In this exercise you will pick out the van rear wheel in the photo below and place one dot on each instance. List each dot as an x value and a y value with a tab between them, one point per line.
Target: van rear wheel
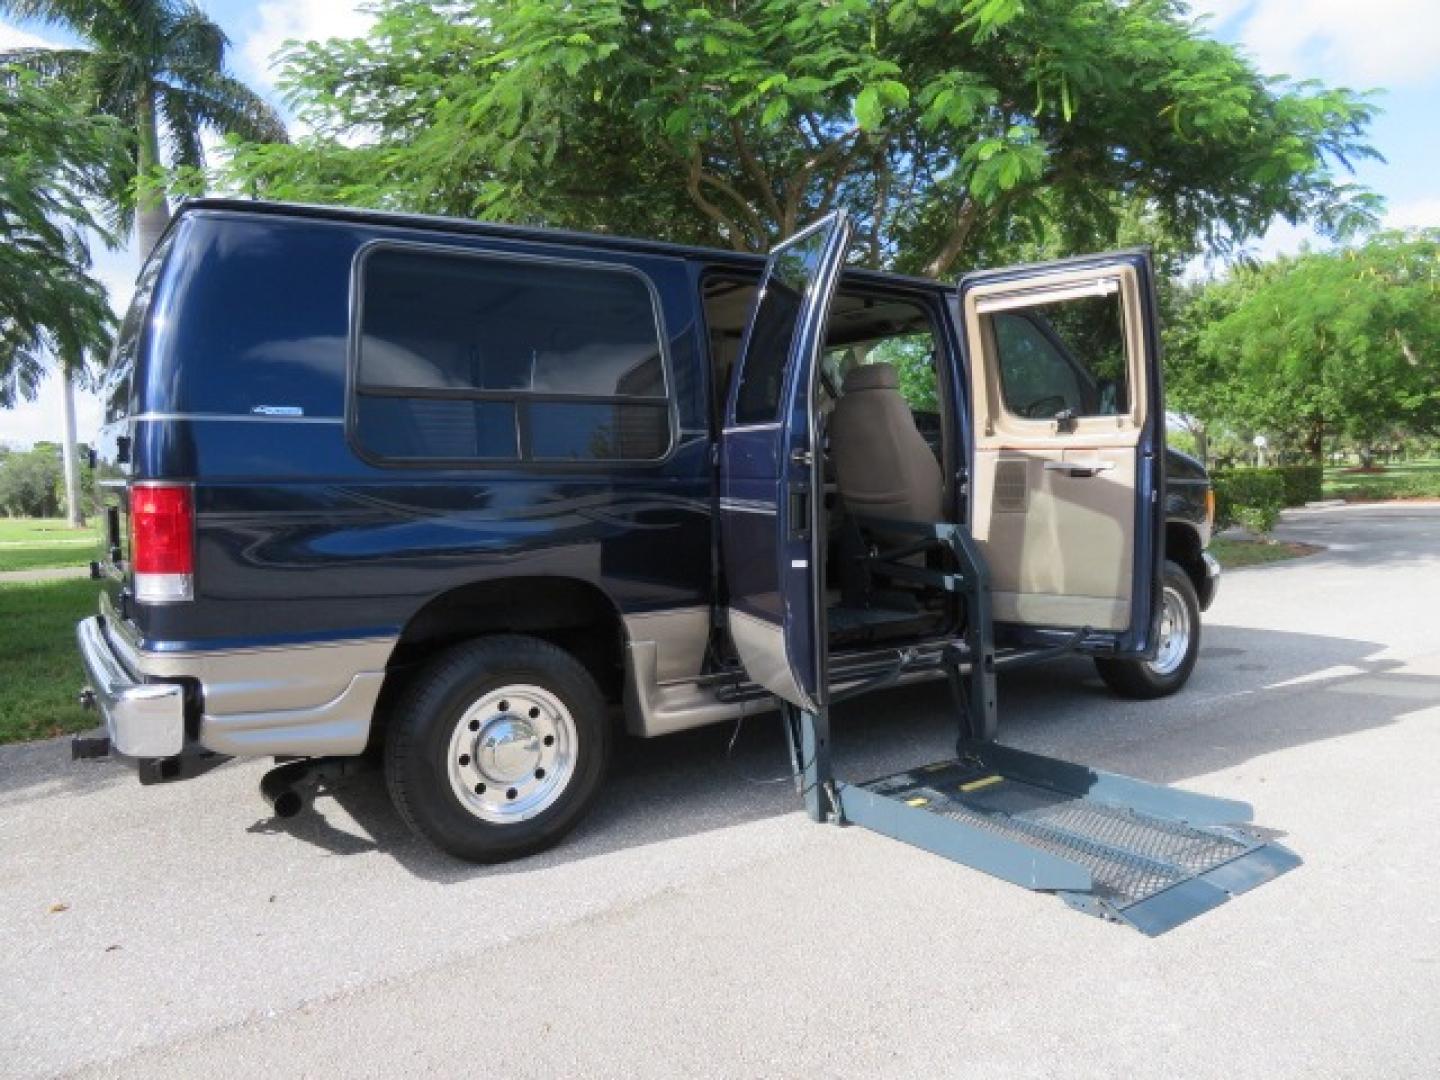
497	748
1176	651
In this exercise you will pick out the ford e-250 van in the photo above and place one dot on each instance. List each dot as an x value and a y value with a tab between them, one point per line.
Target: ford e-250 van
465	495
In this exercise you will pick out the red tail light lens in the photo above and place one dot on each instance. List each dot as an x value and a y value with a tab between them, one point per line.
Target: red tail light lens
162	542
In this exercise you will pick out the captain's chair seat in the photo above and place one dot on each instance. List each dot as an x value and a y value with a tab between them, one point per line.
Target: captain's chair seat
883	465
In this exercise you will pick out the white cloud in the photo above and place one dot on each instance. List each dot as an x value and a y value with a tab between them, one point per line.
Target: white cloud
12	37
1369	43
1415	214
280	21
42	419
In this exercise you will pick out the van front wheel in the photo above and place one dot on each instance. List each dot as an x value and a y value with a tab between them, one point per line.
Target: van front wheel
497	748
1176	651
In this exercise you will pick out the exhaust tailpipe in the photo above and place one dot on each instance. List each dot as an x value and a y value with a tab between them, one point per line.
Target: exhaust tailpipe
286	786
280	787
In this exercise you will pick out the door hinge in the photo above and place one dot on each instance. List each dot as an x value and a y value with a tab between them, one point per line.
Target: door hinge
801	456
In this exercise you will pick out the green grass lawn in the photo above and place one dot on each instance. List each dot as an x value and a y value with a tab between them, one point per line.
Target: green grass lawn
39	543
1235	553
40	671
1410	480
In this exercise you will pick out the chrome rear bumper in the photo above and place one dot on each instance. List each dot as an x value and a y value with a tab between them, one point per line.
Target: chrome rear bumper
143	720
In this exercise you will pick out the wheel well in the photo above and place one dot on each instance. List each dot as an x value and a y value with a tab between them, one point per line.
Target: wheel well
572	614
1182	547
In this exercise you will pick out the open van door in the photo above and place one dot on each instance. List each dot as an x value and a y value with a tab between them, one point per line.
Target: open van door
1067	396
1063	363
771	491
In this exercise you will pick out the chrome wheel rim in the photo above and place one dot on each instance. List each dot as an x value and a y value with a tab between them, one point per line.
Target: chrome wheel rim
1175	631
512	754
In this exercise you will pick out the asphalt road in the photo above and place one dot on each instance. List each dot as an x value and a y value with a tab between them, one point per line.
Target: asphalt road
698	923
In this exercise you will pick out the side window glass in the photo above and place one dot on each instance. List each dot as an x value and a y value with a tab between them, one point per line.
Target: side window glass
868	330
116	386
913	358
474	356
762	375
1065	358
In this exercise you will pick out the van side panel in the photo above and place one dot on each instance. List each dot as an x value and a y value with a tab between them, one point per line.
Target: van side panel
242	390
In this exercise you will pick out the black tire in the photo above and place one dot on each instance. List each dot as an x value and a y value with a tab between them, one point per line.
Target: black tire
1145	680
427	722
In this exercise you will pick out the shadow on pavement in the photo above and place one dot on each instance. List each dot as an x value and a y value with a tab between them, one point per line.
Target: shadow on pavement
1243	702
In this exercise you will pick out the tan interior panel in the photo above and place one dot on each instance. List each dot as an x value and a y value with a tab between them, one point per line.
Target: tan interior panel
1054	499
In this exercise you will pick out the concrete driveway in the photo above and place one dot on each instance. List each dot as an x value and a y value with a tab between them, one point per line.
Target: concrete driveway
698	924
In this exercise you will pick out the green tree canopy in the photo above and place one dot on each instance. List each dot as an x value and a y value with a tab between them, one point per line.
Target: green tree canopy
53	158
949	128
158	68
1337	343
30	482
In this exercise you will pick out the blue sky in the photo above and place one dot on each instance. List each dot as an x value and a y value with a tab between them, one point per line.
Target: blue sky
1389	45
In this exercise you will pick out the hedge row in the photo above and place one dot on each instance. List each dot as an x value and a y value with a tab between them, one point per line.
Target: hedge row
1255	497
1303	483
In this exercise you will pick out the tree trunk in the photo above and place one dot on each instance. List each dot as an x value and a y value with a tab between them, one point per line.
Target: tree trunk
1202	444
1315	441
152	213
74	511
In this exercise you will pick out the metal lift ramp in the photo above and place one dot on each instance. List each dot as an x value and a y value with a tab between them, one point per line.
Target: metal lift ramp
1109	845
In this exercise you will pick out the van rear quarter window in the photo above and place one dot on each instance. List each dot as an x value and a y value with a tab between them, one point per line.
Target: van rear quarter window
473	355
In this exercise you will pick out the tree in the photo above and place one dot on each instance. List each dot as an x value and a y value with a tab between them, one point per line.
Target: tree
53	160
158	68
953	130
1334	343
30	482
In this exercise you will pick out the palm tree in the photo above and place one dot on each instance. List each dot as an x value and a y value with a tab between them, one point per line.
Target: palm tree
157	67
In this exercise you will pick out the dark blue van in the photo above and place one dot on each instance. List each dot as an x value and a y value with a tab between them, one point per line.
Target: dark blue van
464	494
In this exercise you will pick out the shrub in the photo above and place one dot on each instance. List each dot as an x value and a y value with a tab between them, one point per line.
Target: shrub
1303	483
1249	497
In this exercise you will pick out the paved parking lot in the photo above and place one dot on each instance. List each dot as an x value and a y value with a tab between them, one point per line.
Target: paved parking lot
699	924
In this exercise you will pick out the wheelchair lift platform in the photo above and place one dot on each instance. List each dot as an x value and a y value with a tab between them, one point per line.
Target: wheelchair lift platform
1126	850
1146	855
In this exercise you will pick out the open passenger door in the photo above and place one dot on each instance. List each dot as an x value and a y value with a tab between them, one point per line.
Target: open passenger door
771	492
1109	845
1068	445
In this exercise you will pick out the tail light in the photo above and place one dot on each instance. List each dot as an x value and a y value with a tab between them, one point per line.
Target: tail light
1210	508
162	542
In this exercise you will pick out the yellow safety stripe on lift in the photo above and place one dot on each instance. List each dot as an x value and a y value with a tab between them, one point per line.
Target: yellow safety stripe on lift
983	782
918	800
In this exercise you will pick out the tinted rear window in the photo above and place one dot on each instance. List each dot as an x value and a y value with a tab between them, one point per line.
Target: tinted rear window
117	385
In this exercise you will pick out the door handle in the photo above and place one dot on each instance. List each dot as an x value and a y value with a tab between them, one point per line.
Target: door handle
1079	468
799	512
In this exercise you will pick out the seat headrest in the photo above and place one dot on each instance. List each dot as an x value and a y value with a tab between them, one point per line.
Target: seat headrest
871	377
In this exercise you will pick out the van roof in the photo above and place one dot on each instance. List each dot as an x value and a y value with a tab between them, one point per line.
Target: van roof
440	224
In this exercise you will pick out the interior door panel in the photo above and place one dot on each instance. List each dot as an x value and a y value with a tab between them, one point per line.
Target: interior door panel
1060	456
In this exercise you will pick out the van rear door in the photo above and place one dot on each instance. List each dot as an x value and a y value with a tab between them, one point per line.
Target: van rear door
114	444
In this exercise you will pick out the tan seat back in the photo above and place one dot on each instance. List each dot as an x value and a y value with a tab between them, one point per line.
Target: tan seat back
883	464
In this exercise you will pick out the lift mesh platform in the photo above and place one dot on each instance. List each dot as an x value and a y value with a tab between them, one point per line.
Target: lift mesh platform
1110	845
